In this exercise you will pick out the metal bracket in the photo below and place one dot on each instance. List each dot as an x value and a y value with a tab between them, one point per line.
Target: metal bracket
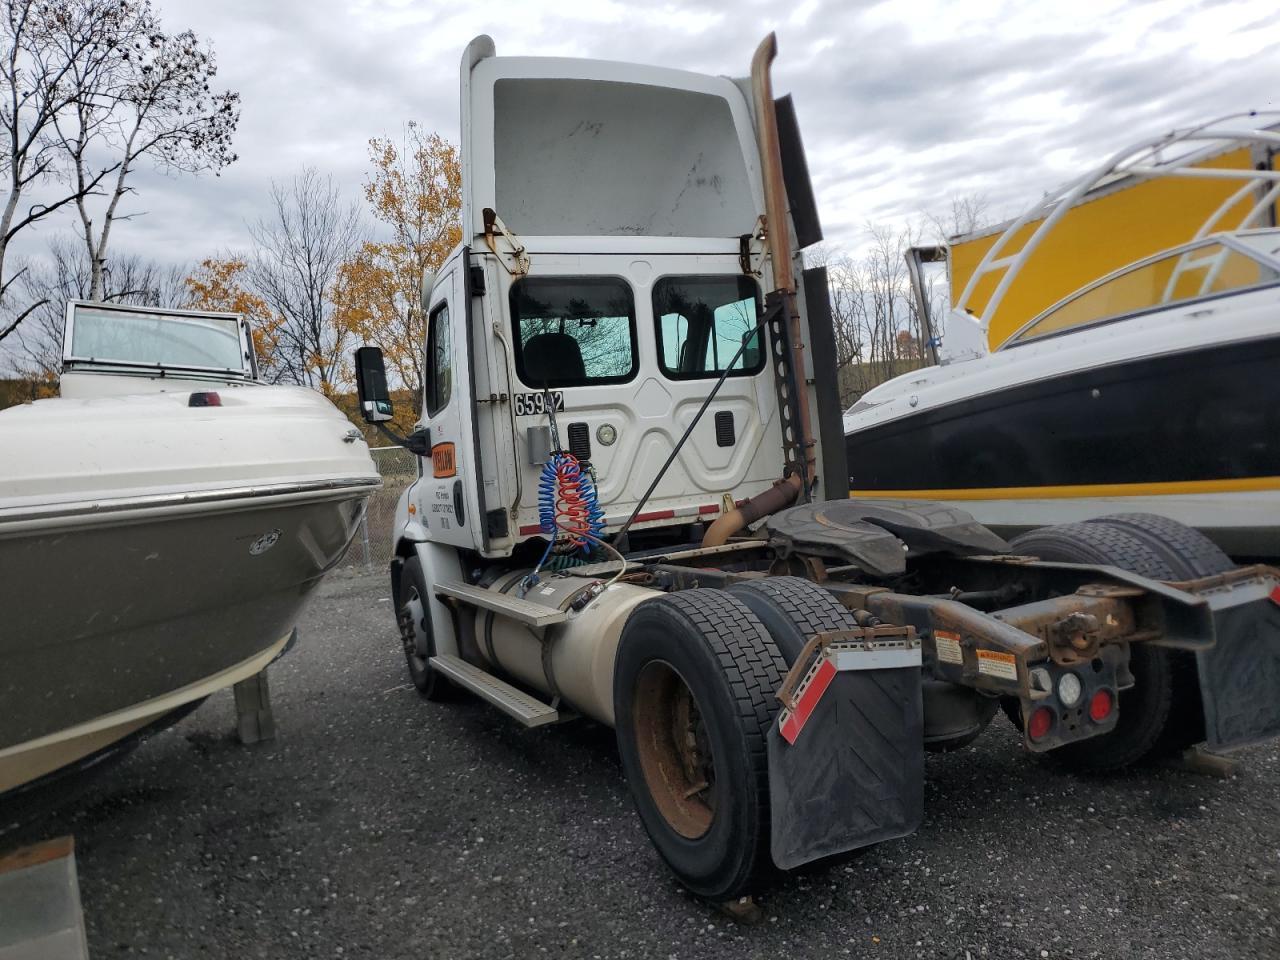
862	648
493	225
745	252
786	382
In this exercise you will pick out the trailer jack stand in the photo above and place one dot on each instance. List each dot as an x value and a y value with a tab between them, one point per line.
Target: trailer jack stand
254	720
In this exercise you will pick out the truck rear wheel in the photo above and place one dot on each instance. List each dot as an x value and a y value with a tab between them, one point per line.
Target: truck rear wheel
1190	555
1160	549
793	609
693	689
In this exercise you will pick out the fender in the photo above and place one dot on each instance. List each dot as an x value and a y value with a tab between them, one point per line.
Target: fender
439	562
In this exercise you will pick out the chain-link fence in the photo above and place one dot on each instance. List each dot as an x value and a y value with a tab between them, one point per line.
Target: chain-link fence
371	547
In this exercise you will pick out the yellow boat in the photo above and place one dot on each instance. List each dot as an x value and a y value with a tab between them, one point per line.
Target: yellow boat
1116	348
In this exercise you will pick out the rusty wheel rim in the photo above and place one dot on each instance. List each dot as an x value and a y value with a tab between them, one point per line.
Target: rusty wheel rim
675	750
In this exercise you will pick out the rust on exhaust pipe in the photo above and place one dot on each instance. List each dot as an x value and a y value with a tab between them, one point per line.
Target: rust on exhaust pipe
779	238
782	494
798	484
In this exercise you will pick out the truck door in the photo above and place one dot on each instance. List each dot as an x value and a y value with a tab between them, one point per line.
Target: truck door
444	500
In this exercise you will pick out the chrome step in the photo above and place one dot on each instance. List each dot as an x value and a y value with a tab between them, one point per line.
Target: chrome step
530	711
513	607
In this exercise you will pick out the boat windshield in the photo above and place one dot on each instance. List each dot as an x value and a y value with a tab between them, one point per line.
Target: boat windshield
111	335
1189	273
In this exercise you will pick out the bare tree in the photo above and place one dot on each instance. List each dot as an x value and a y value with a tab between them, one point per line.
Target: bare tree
847	294
65	274
48	46
301	246
964	214
152	99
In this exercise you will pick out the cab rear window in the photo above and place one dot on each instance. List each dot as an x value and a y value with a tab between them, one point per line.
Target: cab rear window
573	331
701	324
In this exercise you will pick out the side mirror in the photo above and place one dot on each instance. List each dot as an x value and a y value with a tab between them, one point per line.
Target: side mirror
371	385
424	292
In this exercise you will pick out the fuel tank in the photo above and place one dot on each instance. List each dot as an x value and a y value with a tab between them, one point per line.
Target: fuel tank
574	659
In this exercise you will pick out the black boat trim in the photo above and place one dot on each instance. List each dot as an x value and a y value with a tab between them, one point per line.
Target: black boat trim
1211	414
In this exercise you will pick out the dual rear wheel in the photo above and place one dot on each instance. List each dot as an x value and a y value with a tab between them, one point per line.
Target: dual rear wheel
695	682
1161	713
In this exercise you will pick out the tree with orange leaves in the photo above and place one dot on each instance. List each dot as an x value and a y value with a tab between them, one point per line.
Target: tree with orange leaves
218	284
415	188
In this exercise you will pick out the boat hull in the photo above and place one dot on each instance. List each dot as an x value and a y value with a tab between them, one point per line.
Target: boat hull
116	618
1193	435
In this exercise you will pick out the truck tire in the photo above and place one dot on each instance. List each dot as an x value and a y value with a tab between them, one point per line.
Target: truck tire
1190	555
414	619
1145	707
693	690
1188	552
793	609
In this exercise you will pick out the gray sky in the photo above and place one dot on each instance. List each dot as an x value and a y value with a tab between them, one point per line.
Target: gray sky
901	104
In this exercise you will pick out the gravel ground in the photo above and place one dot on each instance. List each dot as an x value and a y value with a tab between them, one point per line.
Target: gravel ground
378	825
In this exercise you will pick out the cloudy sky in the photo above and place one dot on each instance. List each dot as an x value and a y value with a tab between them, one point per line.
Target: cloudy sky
902	105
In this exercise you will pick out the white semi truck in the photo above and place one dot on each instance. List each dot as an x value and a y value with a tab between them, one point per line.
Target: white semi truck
632	503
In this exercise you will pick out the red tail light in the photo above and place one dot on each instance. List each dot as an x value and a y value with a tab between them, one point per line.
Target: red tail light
1100	705
1040	724
206	398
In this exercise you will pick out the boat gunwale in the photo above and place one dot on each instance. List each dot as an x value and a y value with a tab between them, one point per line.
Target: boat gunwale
113	508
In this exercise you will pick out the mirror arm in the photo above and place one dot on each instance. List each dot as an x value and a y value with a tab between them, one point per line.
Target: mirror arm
417	443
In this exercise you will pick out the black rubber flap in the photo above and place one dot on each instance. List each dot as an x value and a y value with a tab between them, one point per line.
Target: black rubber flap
877	535
1240	673
855	775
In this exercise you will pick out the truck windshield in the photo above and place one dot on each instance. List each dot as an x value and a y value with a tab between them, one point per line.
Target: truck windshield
107	335
573	331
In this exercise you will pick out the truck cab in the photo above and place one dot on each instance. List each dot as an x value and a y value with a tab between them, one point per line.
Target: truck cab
608	275
633	505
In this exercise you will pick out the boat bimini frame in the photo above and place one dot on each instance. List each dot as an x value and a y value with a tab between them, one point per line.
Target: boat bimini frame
1143	160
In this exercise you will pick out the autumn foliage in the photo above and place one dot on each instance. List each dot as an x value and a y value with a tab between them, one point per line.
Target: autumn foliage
220	285
415	189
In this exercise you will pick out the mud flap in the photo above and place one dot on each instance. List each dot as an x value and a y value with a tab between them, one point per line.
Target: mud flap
1240	673
850	772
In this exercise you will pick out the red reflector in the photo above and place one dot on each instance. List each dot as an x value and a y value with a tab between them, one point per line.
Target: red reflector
1275	595
207	398
808	701
1100	705
1041	722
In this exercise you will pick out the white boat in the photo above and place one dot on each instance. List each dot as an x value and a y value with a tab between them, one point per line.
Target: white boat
1147	385
162	523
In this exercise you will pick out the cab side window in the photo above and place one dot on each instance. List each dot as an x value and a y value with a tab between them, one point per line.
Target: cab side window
439	360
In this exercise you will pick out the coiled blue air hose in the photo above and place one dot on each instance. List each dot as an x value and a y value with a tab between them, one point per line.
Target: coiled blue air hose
565	487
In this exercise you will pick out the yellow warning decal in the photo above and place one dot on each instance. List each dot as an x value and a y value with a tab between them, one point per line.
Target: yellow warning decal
998	664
